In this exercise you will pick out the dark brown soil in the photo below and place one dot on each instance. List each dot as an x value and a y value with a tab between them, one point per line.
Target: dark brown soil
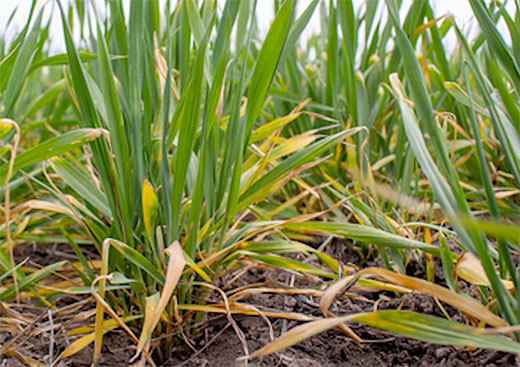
333	349
219	346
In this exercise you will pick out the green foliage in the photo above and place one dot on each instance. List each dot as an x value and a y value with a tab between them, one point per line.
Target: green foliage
181	122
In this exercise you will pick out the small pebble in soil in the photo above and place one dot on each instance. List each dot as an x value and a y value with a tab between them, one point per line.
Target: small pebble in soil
442	352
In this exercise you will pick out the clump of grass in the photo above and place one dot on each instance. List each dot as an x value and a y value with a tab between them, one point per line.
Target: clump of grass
204	145
180	116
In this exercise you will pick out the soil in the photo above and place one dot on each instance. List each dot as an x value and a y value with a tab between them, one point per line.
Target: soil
218	345
333	349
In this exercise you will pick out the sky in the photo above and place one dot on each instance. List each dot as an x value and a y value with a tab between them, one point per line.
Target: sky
460	9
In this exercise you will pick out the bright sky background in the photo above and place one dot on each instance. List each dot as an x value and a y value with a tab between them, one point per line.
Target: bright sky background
460	9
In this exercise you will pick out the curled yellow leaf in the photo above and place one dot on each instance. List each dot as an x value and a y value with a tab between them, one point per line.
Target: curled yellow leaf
469	268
